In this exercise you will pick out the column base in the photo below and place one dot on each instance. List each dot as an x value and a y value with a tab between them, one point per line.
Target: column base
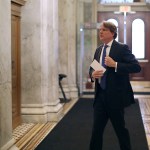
33	113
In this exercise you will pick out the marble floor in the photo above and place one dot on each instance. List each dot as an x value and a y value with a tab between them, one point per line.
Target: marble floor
144	101
28	136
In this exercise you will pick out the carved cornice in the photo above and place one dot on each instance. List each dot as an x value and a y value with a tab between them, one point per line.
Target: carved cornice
19	2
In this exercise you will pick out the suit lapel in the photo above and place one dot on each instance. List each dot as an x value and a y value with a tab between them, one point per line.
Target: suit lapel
112	50
99	53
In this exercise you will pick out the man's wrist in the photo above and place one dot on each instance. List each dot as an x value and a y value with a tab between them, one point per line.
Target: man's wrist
116	66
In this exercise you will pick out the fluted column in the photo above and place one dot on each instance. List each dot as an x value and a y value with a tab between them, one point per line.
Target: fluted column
39	57
6	140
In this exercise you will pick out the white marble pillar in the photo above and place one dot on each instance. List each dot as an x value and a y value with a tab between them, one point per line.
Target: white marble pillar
72	48
67	46
39	57
6	140
63	45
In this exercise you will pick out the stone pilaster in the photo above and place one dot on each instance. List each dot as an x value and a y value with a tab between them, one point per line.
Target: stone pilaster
6	140
72	48
40	97
67	46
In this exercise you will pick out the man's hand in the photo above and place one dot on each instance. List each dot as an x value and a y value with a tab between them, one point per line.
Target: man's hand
97	74
110	62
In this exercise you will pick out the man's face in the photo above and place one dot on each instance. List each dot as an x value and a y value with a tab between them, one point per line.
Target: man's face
105	35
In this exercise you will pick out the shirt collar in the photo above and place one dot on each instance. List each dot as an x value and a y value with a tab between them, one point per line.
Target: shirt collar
110	43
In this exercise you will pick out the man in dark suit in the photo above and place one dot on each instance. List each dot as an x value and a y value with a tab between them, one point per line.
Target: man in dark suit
113	91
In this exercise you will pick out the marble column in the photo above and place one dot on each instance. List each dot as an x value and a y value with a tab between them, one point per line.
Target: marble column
67	46
72	48
80	22
39	61
94	20
6	140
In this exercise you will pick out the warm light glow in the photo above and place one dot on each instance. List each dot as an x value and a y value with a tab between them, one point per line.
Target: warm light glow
125	8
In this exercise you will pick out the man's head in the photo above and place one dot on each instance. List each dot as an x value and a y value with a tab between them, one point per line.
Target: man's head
107	31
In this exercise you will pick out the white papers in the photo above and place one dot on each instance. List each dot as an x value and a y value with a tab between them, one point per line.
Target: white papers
97	66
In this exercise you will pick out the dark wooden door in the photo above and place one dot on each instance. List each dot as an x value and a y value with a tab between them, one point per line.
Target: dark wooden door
144	75
145	16
15	56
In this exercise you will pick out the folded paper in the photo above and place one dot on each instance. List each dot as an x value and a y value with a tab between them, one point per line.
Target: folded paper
97	66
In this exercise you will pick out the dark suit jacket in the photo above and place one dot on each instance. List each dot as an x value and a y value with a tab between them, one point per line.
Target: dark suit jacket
119	93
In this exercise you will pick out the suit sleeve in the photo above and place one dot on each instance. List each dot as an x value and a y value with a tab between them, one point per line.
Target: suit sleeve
91	69
128	63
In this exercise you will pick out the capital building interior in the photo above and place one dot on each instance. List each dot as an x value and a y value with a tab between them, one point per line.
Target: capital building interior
46	48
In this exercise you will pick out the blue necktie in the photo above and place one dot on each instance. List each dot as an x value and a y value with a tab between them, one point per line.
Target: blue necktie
103	78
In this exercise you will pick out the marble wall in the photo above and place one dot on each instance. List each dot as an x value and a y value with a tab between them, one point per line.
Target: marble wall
6	140
48	47
5	72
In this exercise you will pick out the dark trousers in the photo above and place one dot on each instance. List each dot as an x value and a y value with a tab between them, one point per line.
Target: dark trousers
102	113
